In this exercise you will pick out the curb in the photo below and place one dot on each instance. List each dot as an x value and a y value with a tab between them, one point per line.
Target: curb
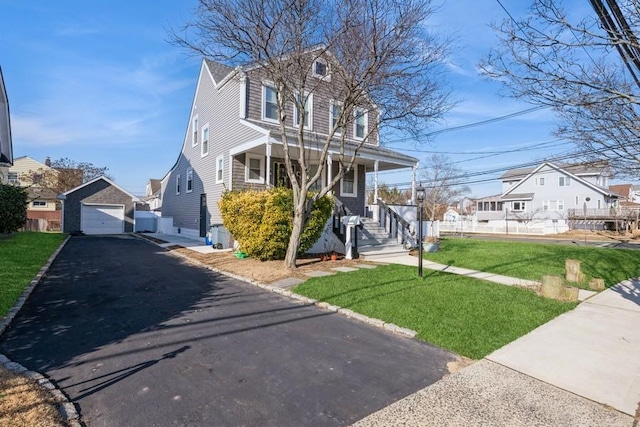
66	408
381	324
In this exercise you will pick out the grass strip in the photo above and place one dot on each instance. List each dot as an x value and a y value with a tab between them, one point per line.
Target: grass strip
529	260
467	316
22	255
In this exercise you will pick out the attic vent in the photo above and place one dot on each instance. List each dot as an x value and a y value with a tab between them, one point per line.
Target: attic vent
321	69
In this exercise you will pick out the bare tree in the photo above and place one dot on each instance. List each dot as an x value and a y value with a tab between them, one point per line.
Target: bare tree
585	69
443	183
382	59
64	174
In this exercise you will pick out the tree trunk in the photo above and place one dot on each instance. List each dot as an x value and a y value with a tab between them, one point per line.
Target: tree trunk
296	233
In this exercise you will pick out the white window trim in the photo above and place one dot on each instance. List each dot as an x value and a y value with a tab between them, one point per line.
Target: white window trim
522	205
560	205
220	162
310	111
194	125
539	181
266	85
40	203
202	153
189	179
327	76
566	180
365	114
177	184
331	105
354	168
248	158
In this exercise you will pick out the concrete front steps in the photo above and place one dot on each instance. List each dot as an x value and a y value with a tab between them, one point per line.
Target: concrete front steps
374	241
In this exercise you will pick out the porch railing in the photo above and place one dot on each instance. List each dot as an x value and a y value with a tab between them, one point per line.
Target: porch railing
606	213
392	222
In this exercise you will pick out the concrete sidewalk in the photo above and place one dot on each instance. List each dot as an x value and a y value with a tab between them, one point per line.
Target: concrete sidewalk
405	259
580	369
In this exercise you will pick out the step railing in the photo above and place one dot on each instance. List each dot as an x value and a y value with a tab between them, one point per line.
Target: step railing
393	223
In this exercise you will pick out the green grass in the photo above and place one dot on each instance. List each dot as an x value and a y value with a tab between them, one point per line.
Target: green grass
22	255
467	316
533	260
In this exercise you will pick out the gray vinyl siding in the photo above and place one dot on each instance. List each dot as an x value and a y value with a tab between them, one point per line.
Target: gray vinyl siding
355	204
219	107
323	94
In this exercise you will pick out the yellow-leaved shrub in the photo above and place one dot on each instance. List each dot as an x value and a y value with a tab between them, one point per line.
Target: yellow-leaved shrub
261	221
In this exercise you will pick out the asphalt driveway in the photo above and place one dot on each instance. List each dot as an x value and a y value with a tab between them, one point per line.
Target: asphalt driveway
138	337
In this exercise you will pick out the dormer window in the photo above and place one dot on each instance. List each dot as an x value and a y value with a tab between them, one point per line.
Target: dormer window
321	69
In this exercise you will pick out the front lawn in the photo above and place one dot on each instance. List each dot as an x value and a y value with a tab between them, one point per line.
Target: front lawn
22	255
533	260
467	316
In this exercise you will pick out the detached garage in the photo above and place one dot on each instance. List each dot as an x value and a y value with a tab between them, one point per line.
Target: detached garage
99	206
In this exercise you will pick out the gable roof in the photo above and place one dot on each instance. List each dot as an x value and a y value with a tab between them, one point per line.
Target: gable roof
6	144
218	71
107	180
155	185
622	189
574	176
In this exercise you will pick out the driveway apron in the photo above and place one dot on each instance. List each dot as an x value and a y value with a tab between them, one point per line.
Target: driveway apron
138	337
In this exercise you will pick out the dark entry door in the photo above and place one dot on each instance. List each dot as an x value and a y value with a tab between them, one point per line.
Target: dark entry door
203	215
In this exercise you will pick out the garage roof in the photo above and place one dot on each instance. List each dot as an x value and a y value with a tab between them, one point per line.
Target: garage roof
104	178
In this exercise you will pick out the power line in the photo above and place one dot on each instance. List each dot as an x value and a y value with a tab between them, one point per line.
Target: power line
470	125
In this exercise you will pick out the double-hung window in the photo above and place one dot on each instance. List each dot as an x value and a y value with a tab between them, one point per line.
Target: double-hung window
269	103
360	124
539	181
205	140
189	180
564	181
254	169
307	101
335	116
194	130
219	169
349	183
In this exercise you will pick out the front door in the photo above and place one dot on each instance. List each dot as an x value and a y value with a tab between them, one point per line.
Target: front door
203	215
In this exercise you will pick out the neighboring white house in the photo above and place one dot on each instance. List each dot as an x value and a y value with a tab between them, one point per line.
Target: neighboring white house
233	141
550	197
153	195
6	145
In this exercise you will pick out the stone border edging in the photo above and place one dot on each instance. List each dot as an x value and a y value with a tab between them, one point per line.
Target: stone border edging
66	408
301	298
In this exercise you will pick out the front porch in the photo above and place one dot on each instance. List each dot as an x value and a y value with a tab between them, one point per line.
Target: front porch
260	164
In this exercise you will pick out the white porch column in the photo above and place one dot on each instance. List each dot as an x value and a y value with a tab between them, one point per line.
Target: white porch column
414	170
376	164
267	178
376	212
330	169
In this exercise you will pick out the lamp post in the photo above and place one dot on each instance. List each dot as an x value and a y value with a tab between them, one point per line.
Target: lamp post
420	195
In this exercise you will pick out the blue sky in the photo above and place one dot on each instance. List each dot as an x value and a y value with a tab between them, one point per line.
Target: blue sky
96	81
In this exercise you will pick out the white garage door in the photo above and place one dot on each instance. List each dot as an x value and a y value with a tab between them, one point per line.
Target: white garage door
102	219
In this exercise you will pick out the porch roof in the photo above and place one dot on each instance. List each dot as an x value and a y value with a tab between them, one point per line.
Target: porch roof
367	153
518	196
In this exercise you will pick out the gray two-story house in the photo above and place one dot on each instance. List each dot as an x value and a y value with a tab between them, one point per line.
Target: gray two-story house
549	195
233	141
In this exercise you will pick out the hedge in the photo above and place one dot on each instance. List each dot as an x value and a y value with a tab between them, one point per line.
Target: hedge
261	221
13	208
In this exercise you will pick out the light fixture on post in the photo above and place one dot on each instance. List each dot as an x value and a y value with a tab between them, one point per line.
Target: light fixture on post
420	195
